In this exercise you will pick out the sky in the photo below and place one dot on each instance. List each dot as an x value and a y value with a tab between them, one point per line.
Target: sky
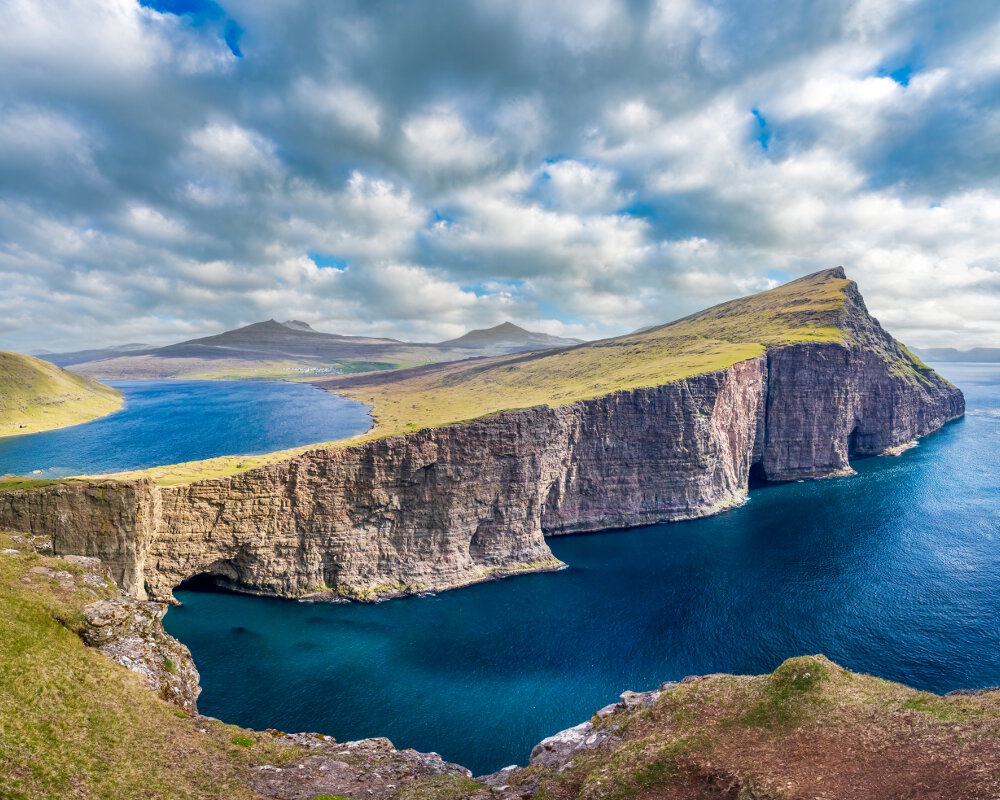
173	168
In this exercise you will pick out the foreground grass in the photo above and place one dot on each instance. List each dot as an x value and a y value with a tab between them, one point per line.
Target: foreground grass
74	724
37	396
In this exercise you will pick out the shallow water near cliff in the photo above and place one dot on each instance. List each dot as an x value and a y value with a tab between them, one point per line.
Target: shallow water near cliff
894	572
167	422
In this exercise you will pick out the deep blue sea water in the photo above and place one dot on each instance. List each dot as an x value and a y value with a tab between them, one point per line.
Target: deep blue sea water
166	422
895	571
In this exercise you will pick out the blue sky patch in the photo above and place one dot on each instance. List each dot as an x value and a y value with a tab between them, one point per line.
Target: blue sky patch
901	74
328	262
640	210
763	134
199	12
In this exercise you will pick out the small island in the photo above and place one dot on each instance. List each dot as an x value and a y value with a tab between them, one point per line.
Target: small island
38	396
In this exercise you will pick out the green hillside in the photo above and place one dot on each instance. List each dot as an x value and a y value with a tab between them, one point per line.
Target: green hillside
75	724
810	309
36	396
806	310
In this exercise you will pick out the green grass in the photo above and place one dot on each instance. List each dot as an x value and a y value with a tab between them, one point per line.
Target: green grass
811	309
807	310
790	693
24	483
75	724
36	396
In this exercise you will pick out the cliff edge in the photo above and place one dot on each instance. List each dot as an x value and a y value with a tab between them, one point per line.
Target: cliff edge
450	488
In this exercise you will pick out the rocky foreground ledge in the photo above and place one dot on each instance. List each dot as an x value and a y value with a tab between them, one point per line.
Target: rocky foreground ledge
96	700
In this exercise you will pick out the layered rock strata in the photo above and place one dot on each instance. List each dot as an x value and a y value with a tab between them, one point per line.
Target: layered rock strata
447	506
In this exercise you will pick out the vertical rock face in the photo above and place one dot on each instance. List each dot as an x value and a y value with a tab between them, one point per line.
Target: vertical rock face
827	402
446	506
110	520
457	504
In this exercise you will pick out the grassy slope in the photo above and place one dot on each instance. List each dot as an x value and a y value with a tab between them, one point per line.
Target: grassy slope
406	400
804	310
74	724
36	396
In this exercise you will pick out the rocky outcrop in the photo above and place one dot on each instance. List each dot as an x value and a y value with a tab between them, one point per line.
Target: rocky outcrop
447	506
369	768
131	633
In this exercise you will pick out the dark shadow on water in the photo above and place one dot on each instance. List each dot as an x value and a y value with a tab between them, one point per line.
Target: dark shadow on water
204	582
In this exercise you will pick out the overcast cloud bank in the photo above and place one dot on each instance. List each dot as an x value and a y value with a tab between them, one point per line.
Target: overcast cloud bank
416	169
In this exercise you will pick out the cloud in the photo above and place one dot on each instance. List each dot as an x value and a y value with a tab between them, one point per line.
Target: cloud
173	168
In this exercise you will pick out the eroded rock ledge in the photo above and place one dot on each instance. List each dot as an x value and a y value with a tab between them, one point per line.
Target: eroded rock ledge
444	507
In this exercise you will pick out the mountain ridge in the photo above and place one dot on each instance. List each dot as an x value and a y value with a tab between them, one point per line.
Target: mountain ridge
293	348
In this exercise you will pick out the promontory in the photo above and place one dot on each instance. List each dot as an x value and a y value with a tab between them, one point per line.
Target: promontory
472	463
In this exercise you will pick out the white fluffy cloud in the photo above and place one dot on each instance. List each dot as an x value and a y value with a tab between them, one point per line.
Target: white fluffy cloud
582	168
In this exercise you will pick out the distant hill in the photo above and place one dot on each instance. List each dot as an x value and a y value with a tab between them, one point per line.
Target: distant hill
292	348
511	337
80	356
36	395
989	355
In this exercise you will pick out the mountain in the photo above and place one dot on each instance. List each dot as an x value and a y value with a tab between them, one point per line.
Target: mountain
36	395
988	355
510	337
294	349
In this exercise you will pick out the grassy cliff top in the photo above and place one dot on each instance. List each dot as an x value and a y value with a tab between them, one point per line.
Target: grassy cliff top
806	310
37	396
822	307
810	309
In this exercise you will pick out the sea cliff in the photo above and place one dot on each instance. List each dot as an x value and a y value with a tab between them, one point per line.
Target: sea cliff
445	506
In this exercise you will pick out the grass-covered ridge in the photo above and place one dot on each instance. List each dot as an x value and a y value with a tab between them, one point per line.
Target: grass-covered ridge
806	310
810	309
37	396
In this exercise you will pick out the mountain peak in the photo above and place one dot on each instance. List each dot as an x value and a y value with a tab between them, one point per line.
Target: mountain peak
508	337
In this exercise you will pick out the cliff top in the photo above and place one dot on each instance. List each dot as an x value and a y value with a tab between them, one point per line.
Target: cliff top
37	396
810	309
77	724
822	307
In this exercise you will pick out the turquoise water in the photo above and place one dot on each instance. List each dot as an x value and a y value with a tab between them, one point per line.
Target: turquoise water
894	572
166	422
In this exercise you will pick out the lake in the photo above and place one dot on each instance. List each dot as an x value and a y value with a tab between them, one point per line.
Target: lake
167	422
895	572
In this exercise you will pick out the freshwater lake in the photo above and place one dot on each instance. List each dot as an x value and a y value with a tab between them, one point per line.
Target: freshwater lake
894	572
167	422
